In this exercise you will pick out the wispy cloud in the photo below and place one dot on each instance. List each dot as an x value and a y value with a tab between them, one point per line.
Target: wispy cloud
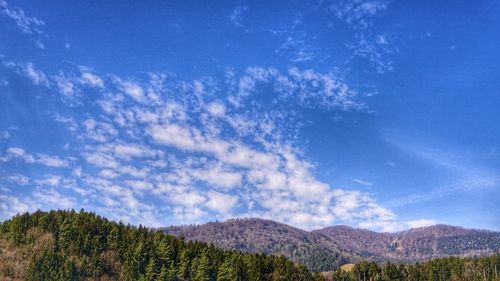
376	51
28	70
236	15
467	175
297	48
192	148
26	24
357	13
363	182
38	158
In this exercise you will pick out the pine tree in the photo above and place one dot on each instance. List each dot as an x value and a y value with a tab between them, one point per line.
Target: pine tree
151	269
163	275
184	266
172	273
226	272
69	271
204	269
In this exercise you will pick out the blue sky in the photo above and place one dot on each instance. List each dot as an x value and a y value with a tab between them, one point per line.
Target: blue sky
372	113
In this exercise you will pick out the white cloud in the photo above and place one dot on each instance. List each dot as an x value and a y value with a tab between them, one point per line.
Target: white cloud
91	79
101	160
220	202
50	180
376	51
467	174
52	161
128	151
306	88
357	13
382	225
188	199
217	109
51	198
131	89
27	24
139	185
203	155
69	122
420	223
66	87
39	44
217	176
39	158
363	182
28	70
19	179
99	131
34	74
12	205
108	174
237	15
298	48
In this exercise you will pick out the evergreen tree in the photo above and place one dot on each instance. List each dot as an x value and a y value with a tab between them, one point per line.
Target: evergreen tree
204	270
163	275
152	269
226	272
184	266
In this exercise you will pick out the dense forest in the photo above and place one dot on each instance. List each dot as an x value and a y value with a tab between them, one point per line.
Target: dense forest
69	245
442	269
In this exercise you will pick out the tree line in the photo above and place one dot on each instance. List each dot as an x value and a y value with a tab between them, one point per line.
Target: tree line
85	246
442	269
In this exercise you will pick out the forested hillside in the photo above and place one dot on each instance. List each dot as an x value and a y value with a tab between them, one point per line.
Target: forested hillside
254	235
328	248
415	244
66	245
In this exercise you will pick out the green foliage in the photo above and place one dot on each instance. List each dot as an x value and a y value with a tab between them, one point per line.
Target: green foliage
89	247
443	269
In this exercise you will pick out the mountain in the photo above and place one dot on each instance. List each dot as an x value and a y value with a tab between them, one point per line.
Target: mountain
325	249
415	244
316	251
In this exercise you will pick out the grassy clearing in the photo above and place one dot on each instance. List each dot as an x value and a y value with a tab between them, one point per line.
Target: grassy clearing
347	267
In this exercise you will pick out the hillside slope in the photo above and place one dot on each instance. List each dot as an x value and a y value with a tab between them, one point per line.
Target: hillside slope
325	249
254	235
415	244
64	245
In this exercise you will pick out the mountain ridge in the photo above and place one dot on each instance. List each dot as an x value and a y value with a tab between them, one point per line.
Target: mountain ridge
327	248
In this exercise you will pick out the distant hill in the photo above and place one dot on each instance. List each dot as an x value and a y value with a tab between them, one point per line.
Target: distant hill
416	244
325	249
316	251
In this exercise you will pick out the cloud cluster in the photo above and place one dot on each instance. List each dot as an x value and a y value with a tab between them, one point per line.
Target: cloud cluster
26	24
158	150
163	151
357	13
38	158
